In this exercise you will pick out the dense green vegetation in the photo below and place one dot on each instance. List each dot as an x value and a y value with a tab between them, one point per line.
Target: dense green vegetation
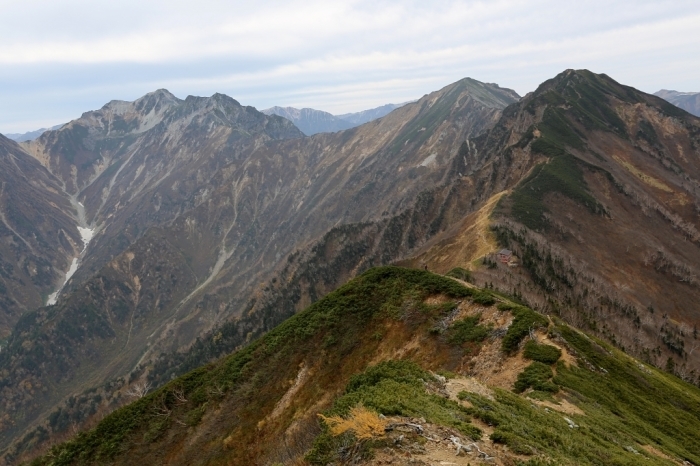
561	174
546	354
536	376
635	400
525	320
336	320
626	405
468	330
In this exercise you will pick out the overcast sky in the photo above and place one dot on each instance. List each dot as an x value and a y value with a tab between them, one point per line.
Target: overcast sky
59	58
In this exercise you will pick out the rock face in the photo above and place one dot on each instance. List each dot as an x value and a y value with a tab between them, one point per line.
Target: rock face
606	223
688	101
310	121
38	234
197	204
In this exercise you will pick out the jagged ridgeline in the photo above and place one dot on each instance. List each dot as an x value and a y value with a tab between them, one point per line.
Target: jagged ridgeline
406	365
215	222
209	214
597	188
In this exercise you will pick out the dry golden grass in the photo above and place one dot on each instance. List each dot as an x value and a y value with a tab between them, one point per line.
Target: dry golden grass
646	178
365	424
462	245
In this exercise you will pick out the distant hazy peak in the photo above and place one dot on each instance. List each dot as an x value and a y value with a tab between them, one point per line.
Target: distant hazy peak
365	116
663	93
688	101
158	100
31	135
296	113
490	94
309	120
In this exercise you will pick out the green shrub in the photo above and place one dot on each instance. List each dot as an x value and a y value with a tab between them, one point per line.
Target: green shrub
514	443
538	376
484	298
401	371
546	354
193	417
468	330
524	320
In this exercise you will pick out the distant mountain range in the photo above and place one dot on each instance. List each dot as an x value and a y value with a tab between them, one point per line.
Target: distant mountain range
688	101
311	121
31	135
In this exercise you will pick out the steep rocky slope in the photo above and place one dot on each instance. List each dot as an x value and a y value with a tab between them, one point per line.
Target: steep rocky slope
517	388
688	101
606	224
592	184
38	234
197	204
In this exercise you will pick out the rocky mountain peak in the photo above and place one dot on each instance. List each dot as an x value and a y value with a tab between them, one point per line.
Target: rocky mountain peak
157	101
221	221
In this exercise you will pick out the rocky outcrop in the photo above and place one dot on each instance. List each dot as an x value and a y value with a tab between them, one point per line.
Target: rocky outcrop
38	234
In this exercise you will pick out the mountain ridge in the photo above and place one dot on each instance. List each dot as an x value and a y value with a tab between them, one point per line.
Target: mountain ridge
223	237
552	177
393	329
600	165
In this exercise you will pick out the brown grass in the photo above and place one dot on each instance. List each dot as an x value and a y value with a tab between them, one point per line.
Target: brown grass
459	247
362	422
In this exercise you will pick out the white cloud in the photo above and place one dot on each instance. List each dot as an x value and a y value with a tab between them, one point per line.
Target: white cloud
339	55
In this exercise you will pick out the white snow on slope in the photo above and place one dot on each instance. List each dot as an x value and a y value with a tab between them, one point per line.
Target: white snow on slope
86	235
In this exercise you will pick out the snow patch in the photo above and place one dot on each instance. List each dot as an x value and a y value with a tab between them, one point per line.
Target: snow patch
429	161
53	297
86	234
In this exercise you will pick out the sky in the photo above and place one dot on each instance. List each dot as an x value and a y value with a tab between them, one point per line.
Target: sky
60	58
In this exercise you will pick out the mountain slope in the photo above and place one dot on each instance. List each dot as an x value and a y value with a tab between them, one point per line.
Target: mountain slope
368	349
310	121
38	234
606	224
688	101
592	184
222	199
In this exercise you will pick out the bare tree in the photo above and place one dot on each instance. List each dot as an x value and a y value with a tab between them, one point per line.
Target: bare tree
138	390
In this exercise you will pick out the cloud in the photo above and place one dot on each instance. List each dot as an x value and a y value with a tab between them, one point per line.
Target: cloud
342	56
